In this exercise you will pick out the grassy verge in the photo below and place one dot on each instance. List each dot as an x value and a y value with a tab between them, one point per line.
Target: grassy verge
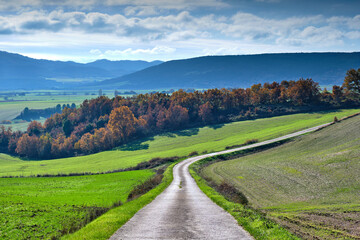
106	225
180	143
251	220
310	185
45	208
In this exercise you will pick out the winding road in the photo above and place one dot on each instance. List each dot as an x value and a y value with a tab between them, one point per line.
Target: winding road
183	211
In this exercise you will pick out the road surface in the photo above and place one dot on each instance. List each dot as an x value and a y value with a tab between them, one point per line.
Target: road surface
183	211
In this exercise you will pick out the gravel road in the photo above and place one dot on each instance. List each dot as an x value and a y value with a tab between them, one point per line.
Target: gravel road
183	211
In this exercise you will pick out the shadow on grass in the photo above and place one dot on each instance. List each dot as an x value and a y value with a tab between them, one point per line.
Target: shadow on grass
136	145
186	133
217	126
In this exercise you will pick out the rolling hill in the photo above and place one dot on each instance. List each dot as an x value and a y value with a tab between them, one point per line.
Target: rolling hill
20	72
239	71
310	185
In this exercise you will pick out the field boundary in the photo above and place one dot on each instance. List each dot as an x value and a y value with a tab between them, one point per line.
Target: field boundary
139	166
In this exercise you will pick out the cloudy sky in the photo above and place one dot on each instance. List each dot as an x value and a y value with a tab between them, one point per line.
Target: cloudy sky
86	30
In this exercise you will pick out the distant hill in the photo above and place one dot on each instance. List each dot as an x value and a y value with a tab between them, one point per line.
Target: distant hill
239	71
20	72
124	67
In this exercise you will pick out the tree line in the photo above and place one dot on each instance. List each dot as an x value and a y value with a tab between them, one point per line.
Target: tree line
103	123
30	114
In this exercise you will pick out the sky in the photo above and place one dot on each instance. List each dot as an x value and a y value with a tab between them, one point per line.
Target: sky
87	30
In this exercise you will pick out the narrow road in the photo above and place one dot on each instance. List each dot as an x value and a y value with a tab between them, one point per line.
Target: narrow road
183	211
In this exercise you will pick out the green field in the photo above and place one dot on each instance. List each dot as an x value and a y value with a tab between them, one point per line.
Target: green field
311	184
10	110
38	208
181	143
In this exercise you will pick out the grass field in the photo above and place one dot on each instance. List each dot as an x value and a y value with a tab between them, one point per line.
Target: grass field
181	143
106	225
42	208
251	220
311	184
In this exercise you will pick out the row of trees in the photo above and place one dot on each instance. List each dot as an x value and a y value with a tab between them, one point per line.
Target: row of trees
102	123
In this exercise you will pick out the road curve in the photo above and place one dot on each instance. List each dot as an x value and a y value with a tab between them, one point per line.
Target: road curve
183	211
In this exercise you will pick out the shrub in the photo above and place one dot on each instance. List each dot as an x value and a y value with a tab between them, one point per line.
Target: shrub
194	153
145	187
231	193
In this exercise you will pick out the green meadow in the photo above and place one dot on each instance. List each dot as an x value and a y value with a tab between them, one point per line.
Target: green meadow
311	185
47	208
180	143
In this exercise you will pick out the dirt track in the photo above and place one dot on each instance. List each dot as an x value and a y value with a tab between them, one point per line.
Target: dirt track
183	211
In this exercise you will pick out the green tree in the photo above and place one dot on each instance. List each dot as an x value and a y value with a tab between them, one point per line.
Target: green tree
67	127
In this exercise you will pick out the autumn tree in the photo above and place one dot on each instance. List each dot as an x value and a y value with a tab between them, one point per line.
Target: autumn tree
28	146
205	113
86	143
352	81
122	123
337	93
177	117
304	91
34	128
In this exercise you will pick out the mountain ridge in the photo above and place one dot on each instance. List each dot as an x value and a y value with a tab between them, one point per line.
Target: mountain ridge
22	72
240	70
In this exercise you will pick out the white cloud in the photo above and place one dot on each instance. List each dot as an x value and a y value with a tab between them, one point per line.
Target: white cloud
140	33
221	51
15	5
153	51
353	35
141	11
95	51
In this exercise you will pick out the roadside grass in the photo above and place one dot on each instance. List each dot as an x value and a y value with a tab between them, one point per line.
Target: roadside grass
47	208
180	143
310	185
106	225
251	220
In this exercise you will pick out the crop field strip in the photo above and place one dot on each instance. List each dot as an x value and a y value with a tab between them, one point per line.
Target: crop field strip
310	185
180	143
38	208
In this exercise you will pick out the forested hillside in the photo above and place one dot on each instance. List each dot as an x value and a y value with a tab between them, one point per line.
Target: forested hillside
239	71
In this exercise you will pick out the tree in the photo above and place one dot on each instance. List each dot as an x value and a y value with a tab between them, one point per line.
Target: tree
337	93
67	127
35	128
205	113
352	81
5	136
304	91
28	146
122	123
45	146
177	117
